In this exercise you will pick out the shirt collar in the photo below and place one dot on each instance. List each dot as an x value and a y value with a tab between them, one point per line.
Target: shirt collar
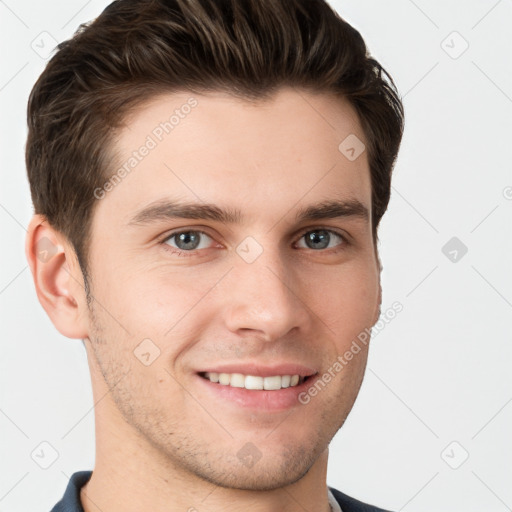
335	506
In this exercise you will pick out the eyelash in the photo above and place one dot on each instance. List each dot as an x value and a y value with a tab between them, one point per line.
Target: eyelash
344	241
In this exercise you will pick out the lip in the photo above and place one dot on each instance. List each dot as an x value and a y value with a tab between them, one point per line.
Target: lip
259	370
257	400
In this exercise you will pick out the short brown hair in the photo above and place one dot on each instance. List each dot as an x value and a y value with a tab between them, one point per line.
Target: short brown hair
138	48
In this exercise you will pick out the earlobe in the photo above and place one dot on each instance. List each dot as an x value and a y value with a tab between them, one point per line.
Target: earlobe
57	278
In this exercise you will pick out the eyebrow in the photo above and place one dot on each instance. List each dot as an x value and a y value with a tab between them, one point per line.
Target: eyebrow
167	210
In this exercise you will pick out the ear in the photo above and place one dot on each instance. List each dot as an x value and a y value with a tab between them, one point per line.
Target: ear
57	278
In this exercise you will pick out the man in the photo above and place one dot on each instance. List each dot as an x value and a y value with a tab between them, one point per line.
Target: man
208	178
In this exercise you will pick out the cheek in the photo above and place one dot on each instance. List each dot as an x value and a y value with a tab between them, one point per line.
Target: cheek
152	301
346	301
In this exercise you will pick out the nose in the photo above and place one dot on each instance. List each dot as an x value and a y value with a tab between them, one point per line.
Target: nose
264	299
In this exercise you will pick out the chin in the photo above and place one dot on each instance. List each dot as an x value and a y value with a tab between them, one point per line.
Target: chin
267	473
265	479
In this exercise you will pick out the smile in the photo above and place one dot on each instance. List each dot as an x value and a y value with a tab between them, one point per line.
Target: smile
254	382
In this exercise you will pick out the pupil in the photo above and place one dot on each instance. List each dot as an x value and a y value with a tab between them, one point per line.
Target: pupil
188	240
318	237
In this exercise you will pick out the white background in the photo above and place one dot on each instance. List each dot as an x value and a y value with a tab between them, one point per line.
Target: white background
438	373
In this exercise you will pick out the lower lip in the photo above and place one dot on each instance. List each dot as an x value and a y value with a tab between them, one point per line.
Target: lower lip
277	400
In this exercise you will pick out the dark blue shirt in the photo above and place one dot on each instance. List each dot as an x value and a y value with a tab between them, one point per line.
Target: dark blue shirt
70	502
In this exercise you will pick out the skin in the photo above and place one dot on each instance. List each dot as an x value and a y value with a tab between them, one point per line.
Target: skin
162	444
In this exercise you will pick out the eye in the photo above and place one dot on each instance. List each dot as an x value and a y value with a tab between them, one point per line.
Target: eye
322	238
187	241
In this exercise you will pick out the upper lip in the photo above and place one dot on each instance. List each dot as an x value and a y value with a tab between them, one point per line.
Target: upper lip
261	370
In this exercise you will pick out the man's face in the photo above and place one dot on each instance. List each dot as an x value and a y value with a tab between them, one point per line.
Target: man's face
244	295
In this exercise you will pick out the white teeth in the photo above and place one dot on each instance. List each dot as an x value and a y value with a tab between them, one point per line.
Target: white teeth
224	379
237	380
252	382
285	381
271	383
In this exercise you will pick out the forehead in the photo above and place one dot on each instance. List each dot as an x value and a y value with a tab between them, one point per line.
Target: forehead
258	157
